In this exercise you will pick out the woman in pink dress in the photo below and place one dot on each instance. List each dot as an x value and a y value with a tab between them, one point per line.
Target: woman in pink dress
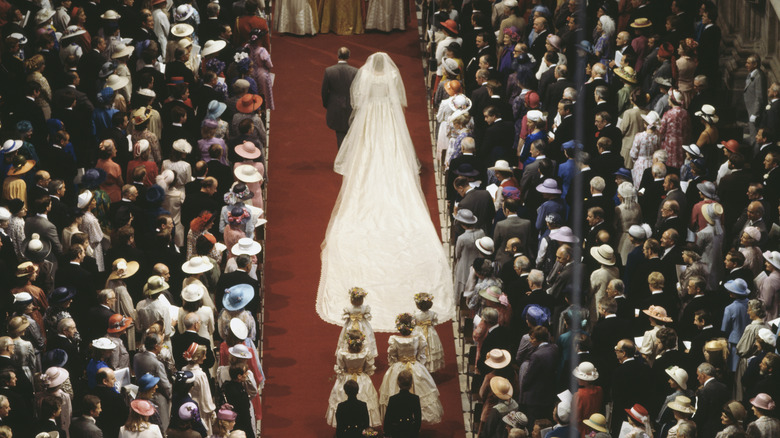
237	220
261	60
113	182
675	130
645	143
252	156
686	69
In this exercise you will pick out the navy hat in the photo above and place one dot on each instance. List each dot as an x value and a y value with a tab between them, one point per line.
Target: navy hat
61	294
155	194
466	169
571	144
625	173
93	178
183	377
147	382
54	358
700	163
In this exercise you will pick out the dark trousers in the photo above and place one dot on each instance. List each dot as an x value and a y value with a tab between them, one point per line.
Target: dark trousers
340	138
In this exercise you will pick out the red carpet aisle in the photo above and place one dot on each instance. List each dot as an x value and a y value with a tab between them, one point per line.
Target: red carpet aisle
299	346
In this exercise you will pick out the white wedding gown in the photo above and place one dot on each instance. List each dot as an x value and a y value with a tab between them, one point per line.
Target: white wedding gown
380	236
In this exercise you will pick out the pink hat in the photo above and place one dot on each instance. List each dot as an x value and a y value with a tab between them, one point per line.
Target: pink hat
763	401
142	407
226	412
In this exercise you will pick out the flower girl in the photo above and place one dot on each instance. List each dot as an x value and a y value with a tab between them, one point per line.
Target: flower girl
426	322
358	317
357	363
406	350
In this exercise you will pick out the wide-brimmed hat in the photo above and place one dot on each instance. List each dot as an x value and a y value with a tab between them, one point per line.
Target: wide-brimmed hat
120	50
182	30
141	115
657	312
491	293
516	419
604	254
103	344
143	407
154	285
773	257
638	413
485	245
213	46
763	401
183	12
72	31
249	103
239	328
708	189
737	286
767	336
107	69
679	375
238	296
451	26
707	113
692	149
11	145
121	268
466	169
23	298
37	249
55	376
563	234
110	15
18	324
450	66
248	150
215	109
711	212
54	358
116	82
466	216
497	358
682	404
24	269
651	118
21	165
147	382
596	422
193	292
240	351
197	265
641	23
501	166
61	294
623	173
626	73
586	371
247	173
732	145
118	323
246	246
549	186
501	387
43	16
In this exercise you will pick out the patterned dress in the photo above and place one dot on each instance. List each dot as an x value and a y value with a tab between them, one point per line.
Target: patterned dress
91	227
645	143
343	17
261	59
675	131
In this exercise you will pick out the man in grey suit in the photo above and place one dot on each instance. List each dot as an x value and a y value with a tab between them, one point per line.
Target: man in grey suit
84	426
38	223
335	94
147	362
755	94
512	226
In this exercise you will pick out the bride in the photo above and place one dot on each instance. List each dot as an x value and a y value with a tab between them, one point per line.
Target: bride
380	236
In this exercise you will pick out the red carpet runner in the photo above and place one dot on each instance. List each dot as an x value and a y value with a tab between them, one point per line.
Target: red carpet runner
299	346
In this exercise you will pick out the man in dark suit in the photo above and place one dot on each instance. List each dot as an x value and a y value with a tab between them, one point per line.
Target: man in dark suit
335	94
72	275
201	200
548	78
709	47
482	42
706	331
25	108
403	417
21	418
149	68
670	244
99	315
512	227
84	426
207	93
607	160
539	46
699	298
478	201
38	223
597	73
351	414
535	294
771	179
606	334
563	132
535	387
554	92
239	276
670	219
480	99
469	160
631	383
111	402
89	67
181	342
210	27
710	398
497	141
65	340
732	189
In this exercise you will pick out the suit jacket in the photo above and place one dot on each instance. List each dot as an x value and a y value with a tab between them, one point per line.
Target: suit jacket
496	143
755	94
545	81
696	352
75	364
403	417
480	98
605	165
508	228
97	319
481	204
335	95
501	338
114	406
554	93
351	418
83	427
563	133
606	334
89	67
231	279
540	376
180	342
538	48
47	232
710	399
731	191
631	384
146	362
671	223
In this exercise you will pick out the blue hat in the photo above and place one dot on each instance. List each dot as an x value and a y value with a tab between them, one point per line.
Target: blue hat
93	178
585	45
183	377
625	173
737	287
147	382
700	163
54	358
155	194
24	126
571	144
538	315
61	294
554	218
215	109
466	169
105	95
238	296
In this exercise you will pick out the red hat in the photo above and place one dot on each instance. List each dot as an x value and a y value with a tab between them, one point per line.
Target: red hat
453	87
731	145
450	25
190	351
638	413
666	50
532	99
118	323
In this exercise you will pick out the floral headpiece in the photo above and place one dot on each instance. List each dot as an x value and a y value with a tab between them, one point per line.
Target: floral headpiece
215	65
240	56
357	292
370	431
423	297
405	321
358	341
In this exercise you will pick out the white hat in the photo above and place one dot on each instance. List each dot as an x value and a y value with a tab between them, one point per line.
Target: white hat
55	376
143	145
246	246
247	173
193	292
501	166
564	409
651	118
679	375
84	199
23	297
182	30
103	344
586	371
692	149
43	16
110	15
167	176
240	350
563	234
22	39
510	3
603	254
485	245
535	115
450	66
213	46
5	214
183	12
11	145
708	113
146	92
549	186
116	82
767	336
773	257
239	328
640	231
182	146
120	50
197	265
184	42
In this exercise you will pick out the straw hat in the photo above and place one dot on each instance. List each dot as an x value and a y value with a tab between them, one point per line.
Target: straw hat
116	82
501	387
657	312
120	50
55	376
24	269
246	246
596	422
154	285
197	265
183	12
586	371
641	23
638	413
249	103
239	328
497	358
110	15
711	212
103	344
679	375
213	46
485	245
248	150
627	74
682	404
141	115
118	323
501	166
492	293
465	216
43	16
17	325
603	254
142	407
121	268
247	173
20	166
182	30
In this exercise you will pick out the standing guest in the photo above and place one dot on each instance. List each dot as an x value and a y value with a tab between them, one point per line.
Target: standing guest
101	351
188	417
111	401
769	288
226	420
153	374
404	414
352	414
113	182
138	425
236	394
540	375
195	355
682	409
675	129
710	398
732	417
735	316
85	426
747	346
710	242
117	328
765	426
645	143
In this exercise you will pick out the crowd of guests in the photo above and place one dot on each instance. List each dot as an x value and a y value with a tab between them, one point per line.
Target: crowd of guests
131	217
676	330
